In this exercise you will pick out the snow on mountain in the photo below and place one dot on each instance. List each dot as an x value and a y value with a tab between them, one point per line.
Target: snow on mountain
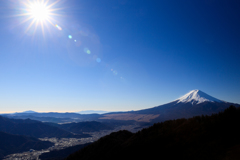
197	97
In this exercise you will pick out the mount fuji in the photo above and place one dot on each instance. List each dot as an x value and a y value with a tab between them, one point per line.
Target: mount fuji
197	97
194	103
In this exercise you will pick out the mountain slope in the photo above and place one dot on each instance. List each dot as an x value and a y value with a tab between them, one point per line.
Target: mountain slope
192	104
198	138
15	143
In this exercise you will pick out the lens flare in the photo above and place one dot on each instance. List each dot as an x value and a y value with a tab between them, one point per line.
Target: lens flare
86	50
98	60
58	27
115	73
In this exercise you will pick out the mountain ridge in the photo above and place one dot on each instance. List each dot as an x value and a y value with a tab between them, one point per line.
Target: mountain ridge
35	129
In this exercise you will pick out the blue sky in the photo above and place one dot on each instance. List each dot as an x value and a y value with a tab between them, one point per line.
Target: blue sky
118	55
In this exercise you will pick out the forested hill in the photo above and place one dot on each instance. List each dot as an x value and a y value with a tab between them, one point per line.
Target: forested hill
34	128
200	137
10	144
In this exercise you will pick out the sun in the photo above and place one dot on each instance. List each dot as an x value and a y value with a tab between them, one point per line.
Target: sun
39	13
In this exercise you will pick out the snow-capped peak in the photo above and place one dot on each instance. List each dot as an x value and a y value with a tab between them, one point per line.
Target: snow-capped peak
196	97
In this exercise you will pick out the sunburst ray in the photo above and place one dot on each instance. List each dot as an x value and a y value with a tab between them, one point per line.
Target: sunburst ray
39	12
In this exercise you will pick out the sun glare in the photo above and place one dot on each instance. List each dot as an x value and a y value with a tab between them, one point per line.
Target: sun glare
39	13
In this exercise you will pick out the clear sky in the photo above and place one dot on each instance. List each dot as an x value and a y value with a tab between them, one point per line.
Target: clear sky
116	55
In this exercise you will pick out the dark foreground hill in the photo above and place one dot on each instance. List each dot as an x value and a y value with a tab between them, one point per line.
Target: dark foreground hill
10	144
61	154
34	128
198	138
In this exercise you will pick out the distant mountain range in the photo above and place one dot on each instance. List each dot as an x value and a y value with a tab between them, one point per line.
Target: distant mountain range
34	128
30	111
54	117
80	112
193	103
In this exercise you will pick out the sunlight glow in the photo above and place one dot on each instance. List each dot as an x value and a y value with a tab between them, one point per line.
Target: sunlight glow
39	13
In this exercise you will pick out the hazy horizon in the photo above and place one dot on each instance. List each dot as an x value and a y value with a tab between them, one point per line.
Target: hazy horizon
96	111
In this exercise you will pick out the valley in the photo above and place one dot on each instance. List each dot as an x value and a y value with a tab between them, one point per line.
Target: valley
63	143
